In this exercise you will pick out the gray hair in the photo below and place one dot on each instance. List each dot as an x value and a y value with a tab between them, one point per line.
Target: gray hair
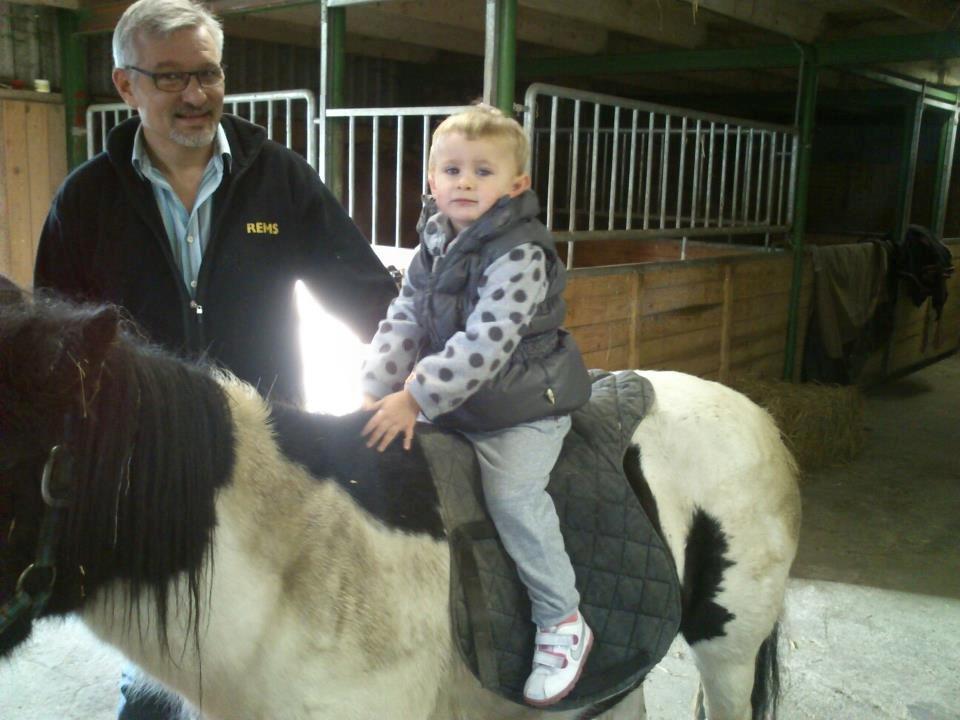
160	18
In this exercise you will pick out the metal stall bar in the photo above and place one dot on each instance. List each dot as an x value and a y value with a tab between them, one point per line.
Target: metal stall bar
941	191
398	185
684	204
611	211
360	119
706	209
633	166
374	176
913	117
551	168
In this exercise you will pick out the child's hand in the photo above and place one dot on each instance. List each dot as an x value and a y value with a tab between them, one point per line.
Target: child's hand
369	402
394	414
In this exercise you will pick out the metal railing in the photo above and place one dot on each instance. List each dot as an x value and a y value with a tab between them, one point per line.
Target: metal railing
612	168
289	118
398	140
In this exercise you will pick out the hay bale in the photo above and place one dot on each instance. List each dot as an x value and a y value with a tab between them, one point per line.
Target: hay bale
822	424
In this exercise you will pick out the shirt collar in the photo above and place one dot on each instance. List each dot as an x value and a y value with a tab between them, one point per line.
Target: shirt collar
141	160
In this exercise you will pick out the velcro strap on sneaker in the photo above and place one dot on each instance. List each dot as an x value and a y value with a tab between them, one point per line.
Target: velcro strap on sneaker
555	639
548	659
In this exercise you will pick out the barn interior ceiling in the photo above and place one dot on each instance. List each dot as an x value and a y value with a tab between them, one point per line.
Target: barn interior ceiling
729	46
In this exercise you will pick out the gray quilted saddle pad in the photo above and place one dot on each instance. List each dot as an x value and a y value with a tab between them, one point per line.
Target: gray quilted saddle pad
627	580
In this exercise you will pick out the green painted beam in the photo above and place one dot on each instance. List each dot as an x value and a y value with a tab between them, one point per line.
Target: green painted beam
864	51
807	105
913	117
336	41
73	74
931	93
941	187
507	56
890	49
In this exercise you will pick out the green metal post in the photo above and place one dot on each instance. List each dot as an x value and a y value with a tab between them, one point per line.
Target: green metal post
913	116
807	106
336	38
73	74
507	56
941	187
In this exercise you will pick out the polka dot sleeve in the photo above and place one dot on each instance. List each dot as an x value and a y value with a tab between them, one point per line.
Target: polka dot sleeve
394	348
511	289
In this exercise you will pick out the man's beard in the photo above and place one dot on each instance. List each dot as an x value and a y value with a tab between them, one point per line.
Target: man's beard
197	139
201	138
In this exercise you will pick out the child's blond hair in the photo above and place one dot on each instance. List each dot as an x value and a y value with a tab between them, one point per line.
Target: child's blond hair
487	123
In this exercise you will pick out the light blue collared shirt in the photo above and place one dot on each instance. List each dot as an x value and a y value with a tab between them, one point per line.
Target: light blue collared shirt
188	232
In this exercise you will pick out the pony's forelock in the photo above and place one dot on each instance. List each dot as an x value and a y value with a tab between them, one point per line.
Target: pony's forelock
143	512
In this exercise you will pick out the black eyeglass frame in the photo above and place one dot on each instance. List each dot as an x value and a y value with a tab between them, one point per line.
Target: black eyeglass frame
185	76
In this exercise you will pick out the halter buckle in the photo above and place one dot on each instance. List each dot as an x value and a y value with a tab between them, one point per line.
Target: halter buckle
26	578
55	485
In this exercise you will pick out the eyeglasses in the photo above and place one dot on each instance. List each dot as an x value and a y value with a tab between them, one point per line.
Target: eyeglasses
178	81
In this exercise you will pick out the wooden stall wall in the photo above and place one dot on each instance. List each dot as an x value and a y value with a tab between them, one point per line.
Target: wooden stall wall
713	317
32	165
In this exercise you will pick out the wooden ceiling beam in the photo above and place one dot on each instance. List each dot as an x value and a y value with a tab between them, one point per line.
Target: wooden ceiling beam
786	17
389	50
532	26
257	27
65	4
370	21
932	14
664	22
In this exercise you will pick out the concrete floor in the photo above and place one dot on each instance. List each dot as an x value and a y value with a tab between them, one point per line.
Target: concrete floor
872	627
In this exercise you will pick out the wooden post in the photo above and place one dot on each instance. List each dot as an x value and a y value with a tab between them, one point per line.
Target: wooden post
635	289
726	321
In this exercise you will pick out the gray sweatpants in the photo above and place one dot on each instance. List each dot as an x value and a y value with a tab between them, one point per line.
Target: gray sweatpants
515	465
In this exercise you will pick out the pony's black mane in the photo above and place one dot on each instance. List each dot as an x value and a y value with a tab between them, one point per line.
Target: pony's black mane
151	440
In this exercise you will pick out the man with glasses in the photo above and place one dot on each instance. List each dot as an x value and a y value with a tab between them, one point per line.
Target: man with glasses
199	225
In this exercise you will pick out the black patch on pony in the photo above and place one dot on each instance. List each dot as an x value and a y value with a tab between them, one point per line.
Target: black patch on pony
631	468
151	440
705	559
394	486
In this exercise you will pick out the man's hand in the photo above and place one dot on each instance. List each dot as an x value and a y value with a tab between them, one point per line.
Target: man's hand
394	414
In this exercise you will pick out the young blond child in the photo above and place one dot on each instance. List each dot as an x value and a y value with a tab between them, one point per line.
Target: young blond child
474	343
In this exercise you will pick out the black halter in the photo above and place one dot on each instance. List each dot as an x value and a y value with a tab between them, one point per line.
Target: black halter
37	580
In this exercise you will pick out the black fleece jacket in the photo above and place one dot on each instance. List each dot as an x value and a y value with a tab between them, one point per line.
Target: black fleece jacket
273	222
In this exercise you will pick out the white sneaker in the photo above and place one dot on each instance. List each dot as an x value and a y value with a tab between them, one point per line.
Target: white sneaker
559	658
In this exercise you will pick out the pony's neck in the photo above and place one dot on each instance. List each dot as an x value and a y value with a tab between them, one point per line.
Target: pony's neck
307	590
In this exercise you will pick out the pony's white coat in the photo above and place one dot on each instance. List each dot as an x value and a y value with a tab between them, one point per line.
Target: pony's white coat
704	445
315	610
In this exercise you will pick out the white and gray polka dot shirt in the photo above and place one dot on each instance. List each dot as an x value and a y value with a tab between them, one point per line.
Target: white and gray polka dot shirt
511	289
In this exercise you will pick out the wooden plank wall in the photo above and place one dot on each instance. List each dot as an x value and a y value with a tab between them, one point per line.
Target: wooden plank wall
33	163
713	317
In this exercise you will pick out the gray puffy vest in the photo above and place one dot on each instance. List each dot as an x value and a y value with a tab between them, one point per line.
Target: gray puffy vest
545	375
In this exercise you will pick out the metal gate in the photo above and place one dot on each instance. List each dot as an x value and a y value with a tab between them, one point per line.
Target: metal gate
288	116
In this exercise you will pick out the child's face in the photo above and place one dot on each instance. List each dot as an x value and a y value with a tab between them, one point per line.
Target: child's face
468	176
